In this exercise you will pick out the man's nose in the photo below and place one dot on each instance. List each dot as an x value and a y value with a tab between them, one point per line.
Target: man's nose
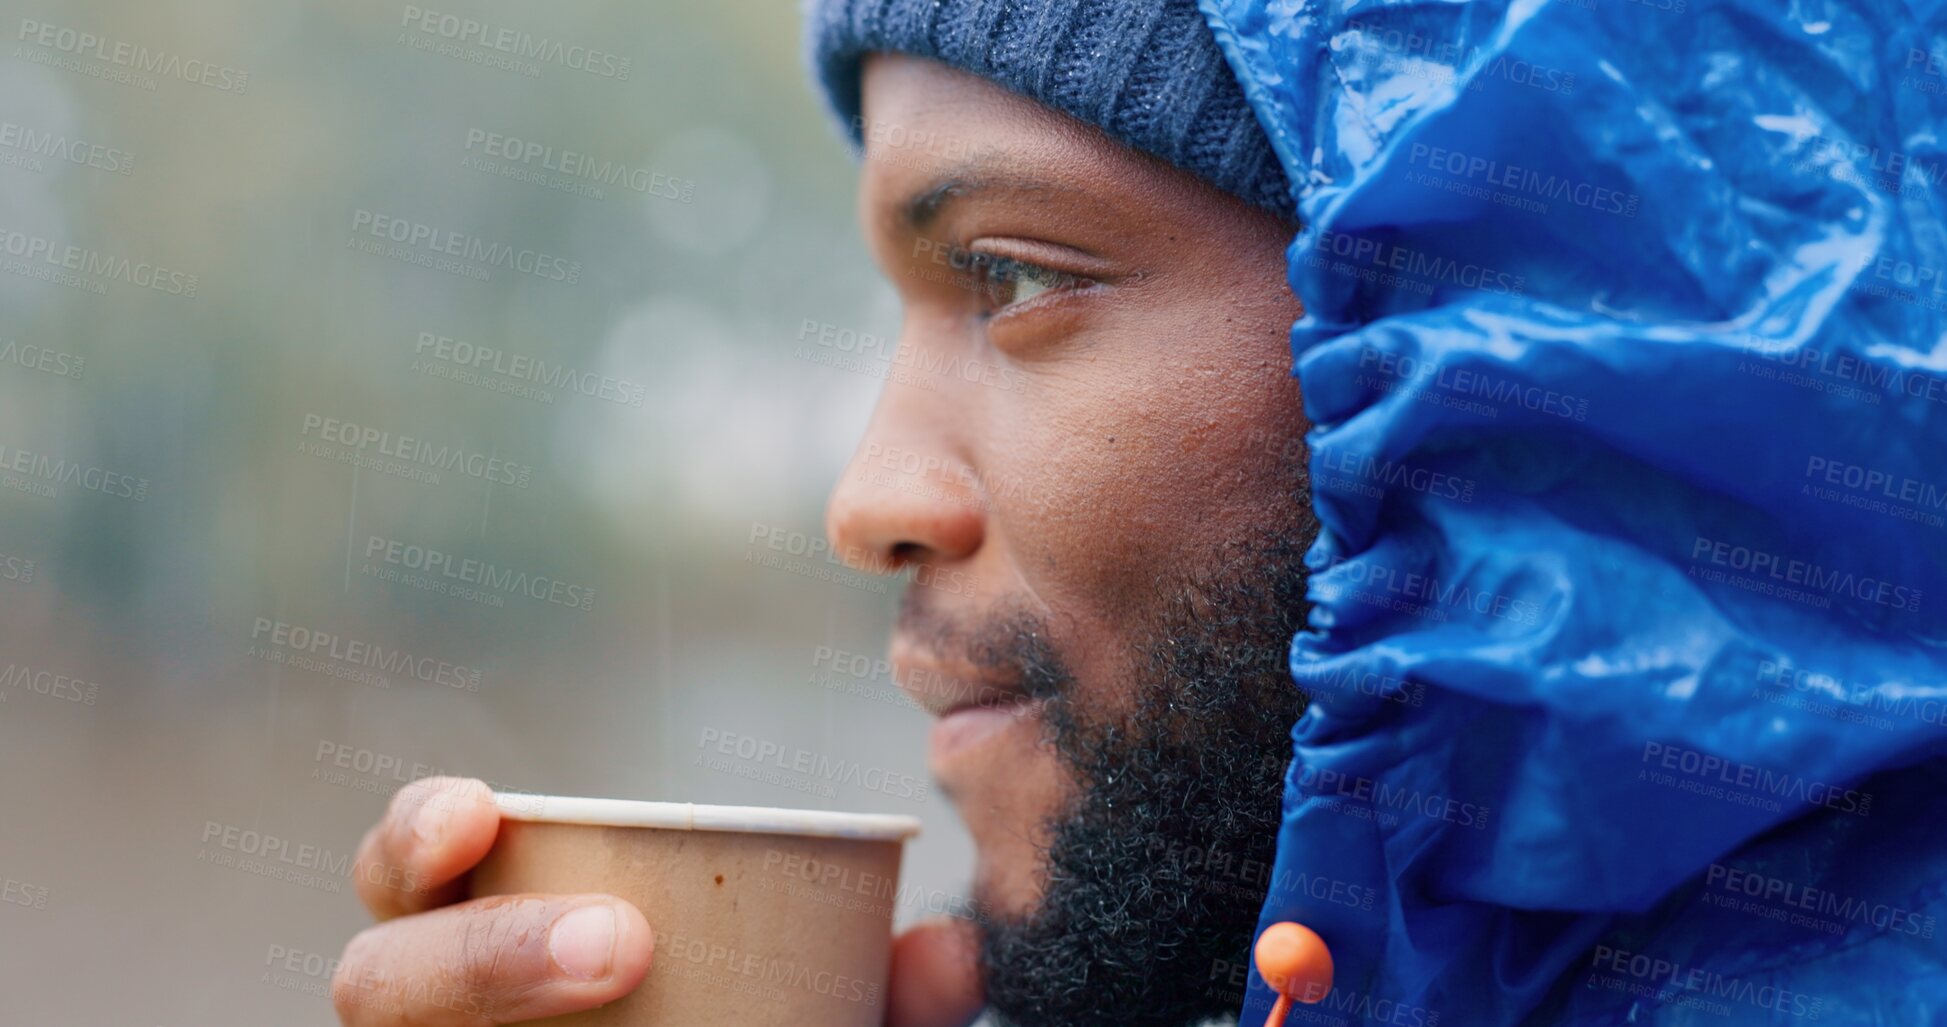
903	500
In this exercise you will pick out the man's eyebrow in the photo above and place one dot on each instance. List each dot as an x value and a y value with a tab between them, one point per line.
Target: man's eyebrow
918	211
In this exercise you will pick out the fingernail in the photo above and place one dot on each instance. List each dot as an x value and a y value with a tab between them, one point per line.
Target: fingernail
428	822
583	942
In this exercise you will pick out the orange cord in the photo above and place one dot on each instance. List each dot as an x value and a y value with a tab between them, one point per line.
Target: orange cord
1276	1019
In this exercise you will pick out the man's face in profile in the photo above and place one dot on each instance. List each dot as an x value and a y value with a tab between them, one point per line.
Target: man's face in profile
1119	488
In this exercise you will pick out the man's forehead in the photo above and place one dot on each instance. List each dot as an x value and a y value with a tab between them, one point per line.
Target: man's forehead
915	202
937	138
935	135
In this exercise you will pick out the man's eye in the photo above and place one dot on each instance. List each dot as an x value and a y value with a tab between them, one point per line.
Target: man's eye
1003	281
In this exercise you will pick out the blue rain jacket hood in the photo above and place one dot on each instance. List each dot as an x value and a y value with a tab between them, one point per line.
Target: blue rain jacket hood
1628	654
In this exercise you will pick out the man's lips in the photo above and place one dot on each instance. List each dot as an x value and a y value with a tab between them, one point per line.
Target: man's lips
972	703
966	728
943	686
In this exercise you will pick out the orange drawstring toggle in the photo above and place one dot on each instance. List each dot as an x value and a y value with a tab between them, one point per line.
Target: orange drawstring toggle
1294	961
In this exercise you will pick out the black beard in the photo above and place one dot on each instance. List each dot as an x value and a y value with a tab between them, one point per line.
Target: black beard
1158	866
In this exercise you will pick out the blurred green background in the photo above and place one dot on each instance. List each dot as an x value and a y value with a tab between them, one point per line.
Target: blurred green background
181	515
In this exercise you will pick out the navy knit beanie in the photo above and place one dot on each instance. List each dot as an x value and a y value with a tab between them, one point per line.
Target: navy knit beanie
1147	72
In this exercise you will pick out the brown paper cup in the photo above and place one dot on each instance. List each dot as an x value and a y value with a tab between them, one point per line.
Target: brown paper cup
761	916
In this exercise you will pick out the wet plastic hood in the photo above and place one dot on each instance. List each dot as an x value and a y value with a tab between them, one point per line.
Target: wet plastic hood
1623	353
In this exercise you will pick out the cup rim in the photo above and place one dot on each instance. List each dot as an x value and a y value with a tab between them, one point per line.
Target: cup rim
692	816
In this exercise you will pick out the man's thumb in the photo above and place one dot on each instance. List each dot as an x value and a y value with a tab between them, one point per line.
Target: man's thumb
935	976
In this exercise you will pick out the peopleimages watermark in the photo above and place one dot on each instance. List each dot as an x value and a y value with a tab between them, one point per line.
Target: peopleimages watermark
1746	784
369	986
1403	267
456	253
881	136
1916	285
798	876
1844	373
1806	368
844	349
437	571
1675	983
849	350
1357	795
1876	168
866	676
21	677
765	760
565	170
87	269
17	569
768	545
309	866
1874	704
757	974
1364	474
937	478
1423	595
1461	388
1511	185
310	649
344	765
1874	490
25	147
1215	868
1803	905
313	970
1341	1005
875	677
1441	60
366	446
1932	77
378	991
120	61
366	986
1784	577
516	374
42	475
807	556
451	35
59	363
1351	678
23	894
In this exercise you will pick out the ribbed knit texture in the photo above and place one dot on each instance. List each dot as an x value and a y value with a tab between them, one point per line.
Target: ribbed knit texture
1147	72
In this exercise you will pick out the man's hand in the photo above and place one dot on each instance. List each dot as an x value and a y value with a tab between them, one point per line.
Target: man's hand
935	976
438	959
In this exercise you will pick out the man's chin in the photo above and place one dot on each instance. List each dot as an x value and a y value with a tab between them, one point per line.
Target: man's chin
998	894
1008	789
973	744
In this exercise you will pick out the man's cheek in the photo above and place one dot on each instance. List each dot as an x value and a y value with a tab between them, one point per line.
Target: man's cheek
1095	522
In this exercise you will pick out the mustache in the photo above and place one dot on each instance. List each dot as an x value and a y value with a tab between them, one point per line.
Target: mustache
1006	644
